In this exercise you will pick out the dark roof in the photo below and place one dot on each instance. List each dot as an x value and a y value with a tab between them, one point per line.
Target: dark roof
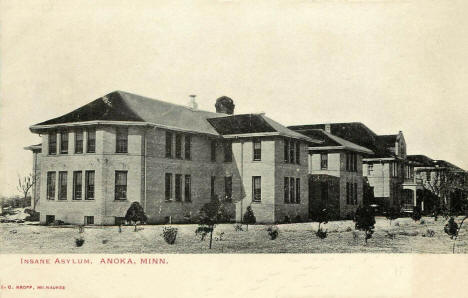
253	124
124	106
240	124
421	160
387	140
424	161
329	140
354	132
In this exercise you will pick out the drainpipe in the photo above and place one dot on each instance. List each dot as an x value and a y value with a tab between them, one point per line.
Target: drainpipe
144	167
242	179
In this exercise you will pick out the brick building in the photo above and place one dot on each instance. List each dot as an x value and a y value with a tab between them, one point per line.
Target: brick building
94	161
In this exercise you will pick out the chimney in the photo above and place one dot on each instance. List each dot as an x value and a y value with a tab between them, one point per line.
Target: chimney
328	127
225	105
193	104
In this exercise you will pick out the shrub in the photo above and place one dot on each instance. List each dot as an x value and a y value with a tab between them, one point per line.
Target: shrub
273	232
451	228
104	241
397	224
417	214
429	233
202	231
212	213
135	213
220	237
169	234
392	214
321	233
249	217
365	221
33	216
422	221
348	229
57	223
79	242
287	219
238	228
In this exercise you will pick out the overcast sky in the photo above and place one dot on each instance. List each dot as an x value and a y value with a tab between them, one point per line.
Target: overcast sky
391	65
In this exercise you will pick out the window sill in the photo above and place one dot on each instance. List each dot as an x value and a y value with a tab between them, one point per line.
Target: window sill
120	200
257	202
121	153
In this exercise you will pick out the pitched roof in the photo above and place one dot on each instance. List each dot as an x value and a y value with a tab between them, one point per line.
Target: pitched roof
329	140
388	140
421	160
124	106
355	132
258	124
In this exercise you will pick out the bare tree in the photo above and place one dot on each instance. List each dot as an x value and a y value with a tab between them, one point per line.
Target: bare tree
24	186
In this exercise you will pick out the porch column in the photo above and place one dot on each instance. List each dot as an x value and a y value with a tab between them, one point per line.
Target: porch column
415	199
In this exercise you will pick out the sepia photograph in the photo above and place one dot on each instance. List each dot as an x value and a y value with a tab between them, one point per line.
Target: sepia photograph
149	133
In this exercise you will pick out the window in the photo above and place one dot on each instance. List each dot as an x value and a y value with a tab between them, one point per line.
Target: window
349	193
62	186
77	185
213	150
178	187
292	190
89	220
91	141
292	152
298	190
89	185
64	142
53	143
188	188
168	186
298	153
122	140
286	150
257	150
168	144
286	190
324	191
188	147
120	185
50	185
355	194
213	180
228	187
370	169
256	188
228	151
178	146
351	162
324	161
78	141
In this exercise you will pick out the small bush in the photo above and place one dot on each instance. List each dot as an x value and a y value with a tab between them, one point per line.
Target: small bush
105	241
321	233
348	229
273	232
220	237
451	228
202	231
57	223
169	234
397	224
429	233
417	214
422	221
287	219
238	228
79	242
365	221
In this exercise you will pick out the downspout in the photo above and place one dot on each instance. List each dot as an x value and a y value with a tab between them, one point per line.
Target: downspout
144	168
242	179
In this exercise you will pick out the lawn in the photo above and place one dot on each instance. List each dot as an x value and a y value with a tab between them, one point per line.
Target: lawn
293	238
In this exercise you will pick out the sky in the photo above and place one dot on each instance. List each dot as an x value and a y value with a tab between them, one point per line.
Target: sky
392	65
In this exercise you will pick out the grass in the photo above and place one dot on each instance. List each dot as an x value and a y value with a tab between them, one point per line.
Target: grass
292	238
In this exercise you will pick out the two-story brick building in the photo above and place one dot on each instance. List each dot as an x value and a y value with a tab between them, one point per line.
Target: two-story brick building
120	148
384	168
